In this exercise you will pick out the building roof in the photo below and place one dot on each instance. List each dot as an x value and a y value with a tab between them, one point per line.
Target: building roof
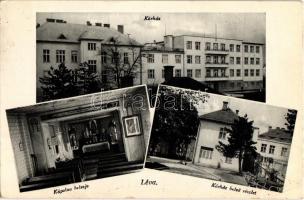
226	116
277	134
189	83
73	33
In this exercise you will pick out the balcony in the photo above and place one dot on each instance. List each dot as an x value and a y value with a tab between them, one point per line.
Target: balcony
216	64
216	78
216	51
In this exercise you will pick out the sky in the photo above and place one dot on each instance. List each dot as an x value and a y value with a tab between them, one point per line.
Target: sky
262	114
245	26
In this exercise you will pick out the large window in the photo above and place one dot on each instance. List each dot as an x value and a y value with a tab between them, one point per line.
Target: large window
206	153
60	56
197	45
198	73
126	58
223	48
165	58
257	49
263	148
74	56
208	73
215	46
92	66
251	49
208	46
251	61
215	72
231	47
232	60
189	45
246	72
238	48
189	73
231	72
238	60
222	134
271	149
257	72
150	58
178	58
46	55
208	59
215	59
178	73
150	73
284	152
91	46
246	48
103	57
257	61
238	72
223	60
189	59
197	60
222	72
251	72
246	60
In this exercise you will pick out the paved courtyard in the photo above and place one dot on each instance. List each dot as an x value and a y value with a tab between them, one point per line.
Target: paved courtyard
187	168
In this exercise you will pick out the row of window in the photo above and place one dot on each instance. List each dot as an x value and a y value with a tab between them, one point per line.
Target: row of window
238	72
60	56
209	73
206	153
271	150
222	47
246	60
165	58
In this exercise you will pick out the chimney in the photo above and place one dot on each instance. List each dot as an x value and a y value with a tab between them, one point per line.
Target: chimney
237	112
120	28
50	20
59	21
106	25
98	24
269	128
225	105
89	23
168	70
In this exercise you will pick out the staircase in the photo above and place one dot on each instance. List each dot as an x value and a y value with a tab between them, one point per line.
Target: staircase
108	164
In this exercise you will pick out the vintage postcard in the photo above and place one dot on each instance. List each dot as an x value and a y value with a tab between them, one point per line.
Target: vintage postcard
59	54
221	138
80	139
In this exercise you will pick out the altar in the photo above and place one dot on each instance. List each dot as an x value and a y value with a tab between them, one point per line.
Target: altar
100	146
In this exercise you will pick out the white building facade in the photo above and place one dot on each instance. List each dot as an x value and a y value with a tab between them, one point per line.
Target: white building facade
224	64
211	131
72	44
274	147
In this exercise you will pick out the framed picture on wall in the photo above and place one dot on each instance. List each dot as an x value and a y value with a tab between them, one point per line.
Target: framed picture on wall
132	125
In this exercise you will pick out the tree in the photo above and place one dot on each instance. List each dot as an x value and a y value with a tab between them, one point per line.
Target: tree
59	83
176	120
88	81
120	61
291	120
240	141
63	82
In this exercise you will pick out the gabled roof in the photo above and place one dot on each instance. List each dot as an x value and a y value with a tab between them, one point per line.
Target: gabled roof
190	83
277	134
226	116
51	32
